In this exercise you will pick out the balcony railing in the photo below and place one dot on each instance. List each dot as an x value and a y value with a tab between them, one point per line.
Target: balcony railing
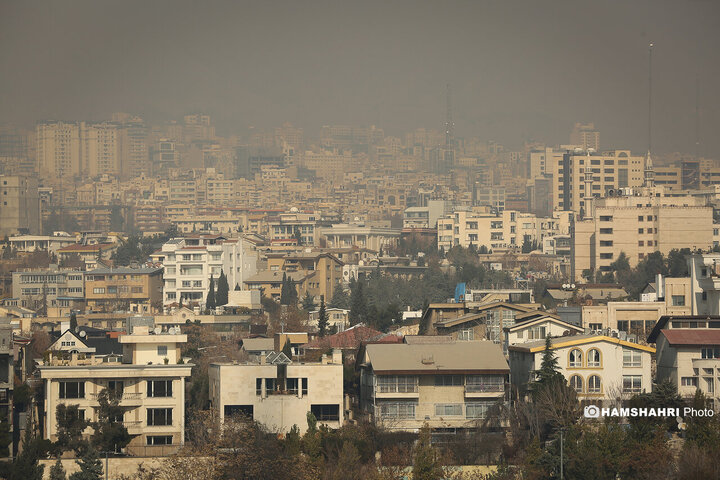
125	396
485	387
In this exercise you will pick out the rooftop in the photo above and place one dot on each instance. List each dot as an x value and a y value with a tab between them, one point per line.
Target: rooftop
571	340
692	337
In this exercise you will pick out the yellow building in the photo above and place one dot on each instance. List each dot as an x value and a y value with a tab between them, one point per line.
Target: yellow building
115	288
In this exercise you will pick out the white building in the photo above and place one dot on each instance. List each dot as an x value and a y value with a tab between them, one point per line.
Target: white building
598	367
279	393
150	380
190	262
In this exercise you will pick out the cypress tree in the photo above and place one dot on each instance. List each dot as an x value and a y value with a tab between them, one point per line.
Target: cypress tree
57	472
90	466
284	292
210	300
322	319
223	289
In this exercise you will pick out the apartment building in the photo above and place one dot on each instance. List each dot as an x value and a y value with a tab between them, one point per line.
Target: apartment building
110	289
150	379
639	223
52	288
482	227
444	384
343	235
19	205
537	325
7	373
607	171
189	262
586	136
294	225
279	393
597	367
704	270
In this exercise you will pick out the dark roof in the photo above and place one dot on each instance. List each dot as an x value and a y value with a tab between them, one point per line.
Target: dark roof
692	336
104	346
663	321
351	338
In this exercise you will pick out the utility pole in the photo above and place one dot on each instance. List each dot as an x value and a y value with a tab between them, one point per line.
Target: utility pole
562	444
650	49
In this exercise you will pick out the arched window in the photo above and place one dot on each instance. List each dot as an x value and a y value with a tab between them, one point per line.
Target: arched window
576	383
593	358
594	384
576	358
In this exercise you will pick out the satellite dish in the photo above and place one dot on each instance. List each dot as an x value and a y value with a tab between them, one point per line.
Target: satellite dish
572	286
157	330
83	334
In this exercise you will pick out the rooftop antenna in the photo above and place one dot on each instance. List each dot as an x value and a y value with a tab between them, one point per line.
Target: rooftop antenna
650	48
697	117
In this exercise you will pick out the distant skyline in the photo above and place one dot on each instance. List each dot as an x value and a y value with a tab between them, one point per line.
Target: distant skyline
519	70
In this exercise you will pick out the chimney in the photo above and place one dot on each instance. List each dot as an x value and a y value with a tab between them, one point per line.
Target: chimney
660	286
337	356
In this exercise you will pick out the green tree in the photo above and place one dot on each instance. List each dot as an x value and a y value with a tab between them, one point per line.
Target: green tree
73	321
90	466
5	438
70	427
223	290
210	300
549	370
26	466
297	236
109	432
308	302
427	464
340	298
57	472
703	431
287	349
285	287
358	304
322	319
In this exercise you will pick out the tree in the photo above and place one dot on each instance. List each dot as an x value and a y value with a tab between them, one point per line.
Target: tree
70	427
286	290
5	438
322	319
308	303
358	304
223	289
109	433
297	236
340	298
237	287
26	466
427	464
57	472
287	349
549	366
73	321
90	466
210	300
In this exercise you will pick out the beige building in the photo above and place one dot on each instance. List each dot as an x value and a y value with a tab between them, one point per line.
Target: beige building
640	224
150	379
19	205
441	383
279	393
535	326
481	227
598	367
109	289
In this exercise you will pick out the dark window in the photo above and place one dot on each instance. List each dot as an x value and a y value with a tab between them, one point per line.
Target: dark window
258	386
246	410
606	231
159	388
159	440
72	389
448	380
326	412
270	385
159	416
304	386
606	218
292	385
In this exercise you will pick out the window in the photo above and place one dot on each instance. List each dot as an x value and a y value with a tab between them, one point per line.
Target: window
270	385
245	410
326	412
291	385
72	389
688	381
396	409
678	300
606	243
162	350
477	409
640	230
594	384
710	352
397	384
99	290
448	380
576	383
606	218
159	388
709	385
159	439
575	358
258	386
536	333
632	384
641	243
606	231
448	409
159	416
593	359
304	386
640	218
632	358
484	383
467	334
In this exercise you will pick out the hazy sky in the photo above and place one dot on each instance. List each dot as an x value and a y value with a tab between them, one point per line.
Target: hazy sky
519	70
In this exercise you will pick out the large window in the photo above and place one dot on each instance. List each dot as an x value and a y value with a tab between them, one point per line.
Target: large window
576	383
484	383
159	388
448	409
467	334
593	358
632	358
448	380
72	389
710	352
159	439
477	409
678	300
575	358
594	384
536	333
689	381
326	413
632	384
159	416
397	383
397	409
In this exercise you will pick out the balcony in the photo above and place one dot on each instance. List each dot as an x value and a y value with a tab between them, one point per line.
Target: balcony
127	399
484	390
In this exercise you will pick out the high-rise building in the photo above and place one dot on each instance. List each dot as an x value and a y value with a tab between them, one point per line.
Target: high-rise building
19	205
58	150
585	136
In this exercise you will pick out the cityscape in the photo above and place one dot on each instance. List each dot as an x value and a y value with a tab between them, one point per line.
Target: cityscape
413	241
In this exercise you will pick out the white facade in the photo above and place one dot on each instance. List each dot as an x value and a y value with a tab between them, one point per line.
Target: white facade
190	262
280	396
494	231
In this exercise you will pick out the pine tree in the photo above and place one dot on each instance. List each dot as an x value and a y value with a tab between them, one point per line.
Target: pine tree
73	321
237	287
108	433
549	370
223	289
57	472
26	466
284	291
210	300
90	466
287	349
308	303
322	319
358	305
427	464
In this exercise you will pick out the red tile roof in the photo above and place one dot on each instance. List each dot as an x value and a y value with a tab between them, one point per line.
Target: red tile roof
692	336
